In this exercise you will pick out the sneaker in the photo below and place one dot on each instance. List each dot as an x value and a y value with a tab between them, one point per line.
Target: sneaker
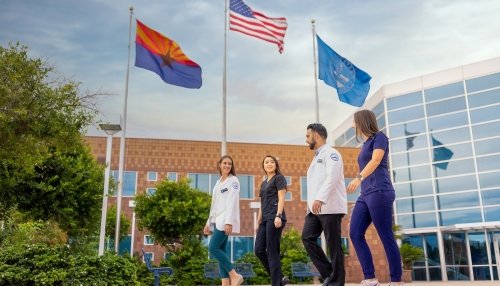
284	281
396	284
369	283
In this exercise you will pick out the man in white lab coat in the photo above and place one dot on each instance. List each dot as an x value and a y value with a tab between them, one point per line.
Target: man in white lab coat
326	206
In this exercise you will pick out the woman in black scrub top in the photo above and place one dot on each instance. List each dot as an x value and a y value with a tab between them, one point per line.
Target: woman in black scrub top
271	220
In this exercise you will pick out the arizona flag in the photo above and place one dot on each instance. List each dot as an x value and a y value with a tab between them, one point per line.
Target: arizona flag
163	56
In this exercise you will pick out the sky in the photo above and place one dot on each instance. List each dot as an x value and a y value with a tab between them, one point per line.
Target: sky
270	96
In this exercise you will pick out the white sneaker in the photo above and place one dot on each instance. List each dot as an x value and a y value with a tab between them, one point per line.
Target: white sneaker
369	283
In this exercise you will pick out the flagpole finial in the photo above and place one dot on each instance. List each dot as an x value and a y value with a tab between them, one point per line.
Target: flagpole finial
131	8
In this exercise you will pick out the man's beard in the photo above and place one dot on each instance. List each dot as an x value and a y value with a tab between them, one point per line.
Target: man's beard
312	144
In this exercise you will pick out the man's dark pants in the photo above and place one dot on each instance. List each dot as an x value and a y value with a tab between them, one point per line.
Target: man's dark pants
331	224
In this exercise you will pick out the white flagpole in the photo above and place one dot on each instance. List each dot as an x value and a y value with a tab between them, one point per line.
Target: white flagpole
122	144
223	150
315	71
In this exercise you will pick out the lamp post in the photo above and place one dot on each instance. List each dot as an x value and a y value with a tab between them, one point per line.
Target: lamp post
255	206
110	129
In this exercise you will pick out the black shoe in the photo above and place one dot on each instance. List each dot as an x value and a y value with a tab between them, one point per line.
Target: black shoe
327	281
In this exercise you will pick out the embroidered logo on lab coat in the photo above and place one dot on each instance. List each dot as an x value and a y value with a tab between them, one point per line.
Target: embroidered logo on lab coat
235	185
334	157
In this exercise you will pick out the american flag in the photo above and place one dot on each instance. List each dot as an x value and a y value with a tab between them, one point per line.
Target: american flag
244	20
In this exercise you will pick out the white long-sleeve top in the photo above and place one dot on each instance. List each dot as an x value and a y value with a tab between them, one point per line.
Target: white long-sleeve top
225	208
325	181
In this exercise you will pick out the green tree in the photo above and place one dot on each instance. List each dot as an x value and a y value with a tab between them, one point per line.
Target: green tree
46	170
410	254
111	224
174	211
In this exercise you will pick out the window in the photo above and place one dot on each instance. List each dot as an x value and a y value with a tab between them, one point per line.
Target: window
148	255
236	247
444	91
354	196
246	187
288	194
485	82
152	176
345	245
148	240
172	176
150	191
404	100
303	188
129	182
203	182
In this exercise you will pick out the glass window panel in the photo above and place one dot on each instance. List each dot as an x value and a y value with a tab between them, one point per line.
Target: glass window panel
444	91
148	240
445	106
462	183
125	245
354	196
492	214
458	273
432	248
413	188
447	121
150	191
417	220
410	158
484	98
152	176
200	182
398	130
404	100
495	273
455	249
461	216
454	168
452	136
484	114
435	274
415	205
349	134
242	245
406	114
352	143
303	188
399	145
288	180
288	196
459	151
129	182
487	146
246	187
172	176
418	274
379	109
340	141
491	234
491	197
477	244
413	173
481	273
451	201
381	122
489	180
213	181
488	163
484	82
486	130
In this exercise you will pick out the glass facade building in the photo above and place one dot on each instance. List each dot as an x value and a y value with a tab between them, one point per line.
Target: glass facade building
444	131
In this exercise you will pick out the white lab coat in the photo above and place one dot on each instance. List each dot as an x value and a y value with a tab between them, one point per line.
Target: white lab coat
225	208
325	181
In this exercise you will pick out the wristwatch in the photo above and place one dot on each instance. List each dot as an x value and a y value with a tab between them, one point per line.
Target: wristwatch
278	215
359	177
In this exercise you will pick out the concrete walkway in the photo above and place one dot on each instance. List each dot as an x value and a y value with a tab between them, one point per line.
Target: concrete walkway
433	283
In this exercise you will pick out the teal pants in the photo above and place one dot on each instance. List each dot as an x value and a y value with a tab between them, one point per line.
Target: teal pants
216	247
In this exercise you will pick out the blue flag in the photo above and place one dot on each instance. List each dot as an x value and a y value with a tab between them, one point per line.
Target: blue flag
441	154
352	84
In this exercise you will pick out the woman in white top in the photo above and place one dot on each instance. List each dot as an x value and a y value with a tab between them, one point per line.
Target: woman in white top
224	219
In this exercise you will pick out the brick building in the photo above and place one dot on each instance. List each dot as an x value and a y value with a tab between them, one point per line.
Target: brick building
149	161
